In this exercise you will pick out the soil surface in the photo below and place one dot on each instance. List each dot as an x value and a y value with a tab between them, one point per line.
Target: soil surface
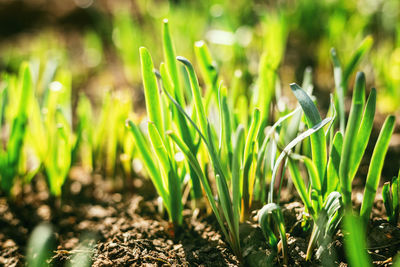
124	229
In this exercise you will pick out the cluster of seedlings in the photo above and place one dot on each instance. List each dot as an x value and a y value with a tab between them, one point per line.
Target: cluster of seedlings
229	147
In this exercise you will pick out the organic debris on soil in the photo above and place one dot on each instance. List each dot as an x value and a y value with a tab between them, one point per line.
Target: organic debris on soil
128	231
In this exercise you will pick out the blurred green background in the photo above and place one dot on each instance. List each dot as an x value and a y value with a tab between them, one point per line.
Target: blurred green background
99	40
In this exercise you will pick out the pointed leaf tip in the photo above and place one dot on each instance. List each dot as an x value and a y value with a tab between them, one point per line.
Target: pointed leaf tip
360	75
199	43
294	86
184	60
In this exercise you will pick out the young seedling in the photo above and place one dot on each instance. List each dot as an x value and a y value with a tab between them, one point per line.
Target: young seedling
51	120
375	167
273	211
16	95
107	137
165	176
391	199
344	157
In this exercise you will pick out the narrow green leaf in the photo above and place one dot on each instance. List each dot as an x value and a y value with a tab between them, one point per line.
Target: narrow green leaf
350	137
148	161
247	181
253	131
182	125
170	60
226	123
334	163
152	96
308	106
207	65
326	224
183	130
236	172
387	201
194	83
300	186
226	204
196	166
341	88
354	242
375	167
396	199
314	179
174	188
289	147
318	143
158	146
364	133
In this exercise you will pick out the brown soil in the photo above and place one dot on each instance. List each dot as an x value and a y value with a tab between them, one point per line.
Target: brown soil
127	230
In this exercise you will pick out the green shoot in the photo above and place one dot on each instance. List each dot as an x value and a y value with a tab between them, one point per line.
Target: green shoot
273	211
354	243
391	197
375	167
350	138
18	117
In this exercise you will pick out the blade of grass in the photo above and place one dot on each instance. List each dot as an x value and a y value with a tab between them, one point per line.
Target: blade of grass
207	66
355	243
300	186
170	61
236	173
175	193
334	163
318	143
159	147
196	166
194	83
152	96
396	199
375	167
387	201
350	137
183	130
226	123
148	161
289	147
315	182
364	133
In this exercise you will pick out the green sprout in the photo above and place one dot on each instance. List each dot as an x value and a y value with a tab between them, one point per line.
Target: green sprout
165	178
51	120
273	211
14	112
343	160
391	199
